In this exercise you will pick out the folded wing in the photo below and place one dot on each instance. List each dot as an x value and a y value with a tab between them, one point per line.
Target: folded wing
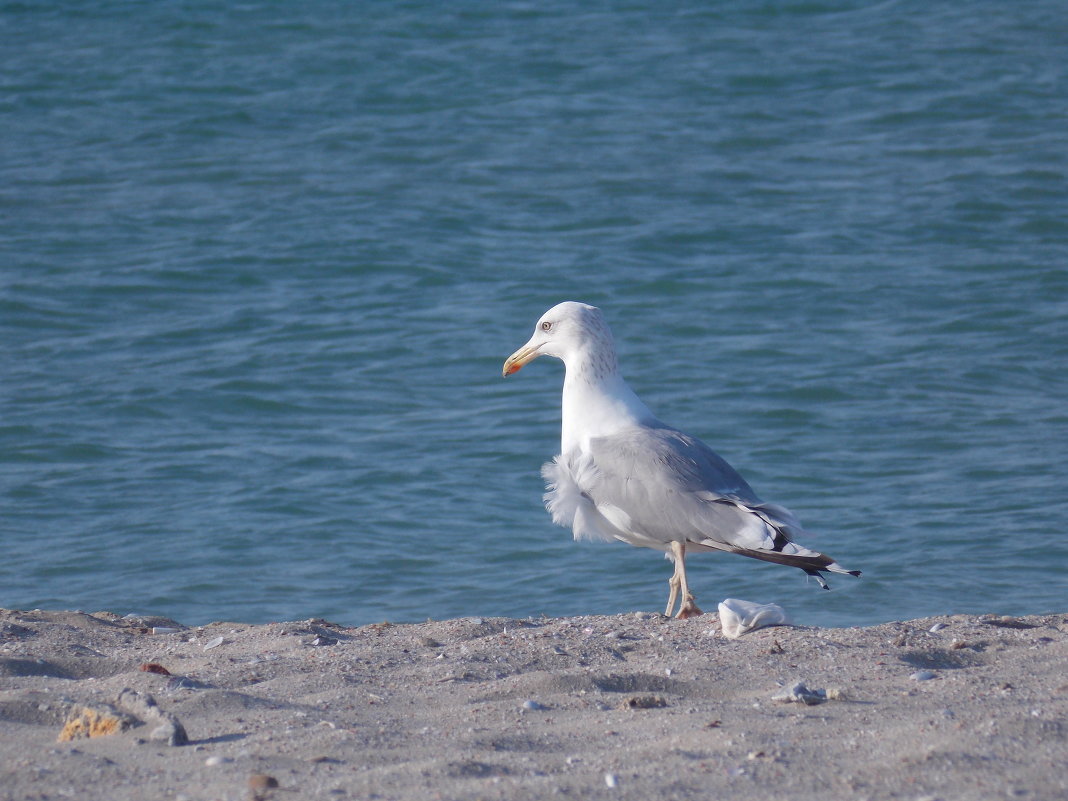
651	486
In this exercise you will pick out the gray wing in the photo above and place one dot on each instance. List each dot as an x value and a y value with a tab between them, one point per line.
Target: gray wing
665	485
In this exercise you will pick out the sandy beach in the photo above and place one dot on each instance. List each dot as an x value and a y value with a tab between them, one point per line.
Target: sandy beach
626	706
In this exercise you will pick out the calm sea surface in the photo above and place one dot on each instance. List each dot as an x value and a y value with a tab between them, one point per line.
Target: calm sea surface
260	265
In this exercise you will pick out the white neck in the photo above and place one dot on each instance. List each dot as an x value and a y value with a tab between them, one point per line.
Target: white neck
597	403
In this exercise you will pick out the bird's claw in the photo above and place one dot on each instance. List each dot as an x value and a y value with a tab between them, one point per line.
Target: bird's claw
688	609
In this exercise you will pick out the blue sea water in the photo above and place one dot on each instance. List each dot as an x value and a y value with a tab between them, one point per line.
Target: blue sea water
260	265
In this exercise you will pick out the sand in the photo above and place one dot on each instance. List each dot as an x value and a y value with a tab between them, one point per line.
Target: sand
630	706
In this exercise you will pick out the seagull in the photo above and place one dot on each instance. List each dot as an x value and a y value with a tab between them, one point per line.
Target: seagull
621	474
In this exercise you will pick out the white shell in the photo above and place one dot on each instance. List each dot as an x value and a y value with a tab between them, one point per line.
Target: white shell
737	617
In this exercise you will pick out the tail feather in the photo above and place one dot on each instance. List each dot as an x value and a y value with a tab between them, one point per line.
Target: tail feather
812	562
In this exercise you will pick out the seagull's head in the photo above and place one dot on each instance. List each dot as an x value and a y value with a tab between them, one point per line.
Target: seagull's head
567	331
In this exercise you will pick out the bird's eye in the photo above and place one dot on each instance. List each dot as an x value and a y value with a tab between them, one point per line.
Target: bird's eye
546	326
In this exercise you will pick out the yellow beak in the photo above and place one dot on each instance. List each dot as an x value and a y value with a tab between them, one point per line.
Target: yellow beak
522	356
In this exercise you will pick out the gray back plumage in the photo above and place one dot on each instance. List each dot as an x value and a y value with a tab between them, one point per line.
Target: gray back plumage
674	486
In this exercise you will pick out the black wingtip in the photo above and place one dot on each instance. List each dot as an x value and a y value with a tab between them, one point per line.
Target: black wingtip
818	576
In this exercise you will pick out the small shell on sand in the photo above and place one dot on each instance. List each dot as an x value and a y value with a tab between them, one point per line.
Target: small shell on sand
799	693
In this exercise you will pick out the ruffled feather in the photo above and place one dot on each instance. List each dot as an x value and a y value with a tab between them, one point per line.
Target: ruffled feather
569	505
